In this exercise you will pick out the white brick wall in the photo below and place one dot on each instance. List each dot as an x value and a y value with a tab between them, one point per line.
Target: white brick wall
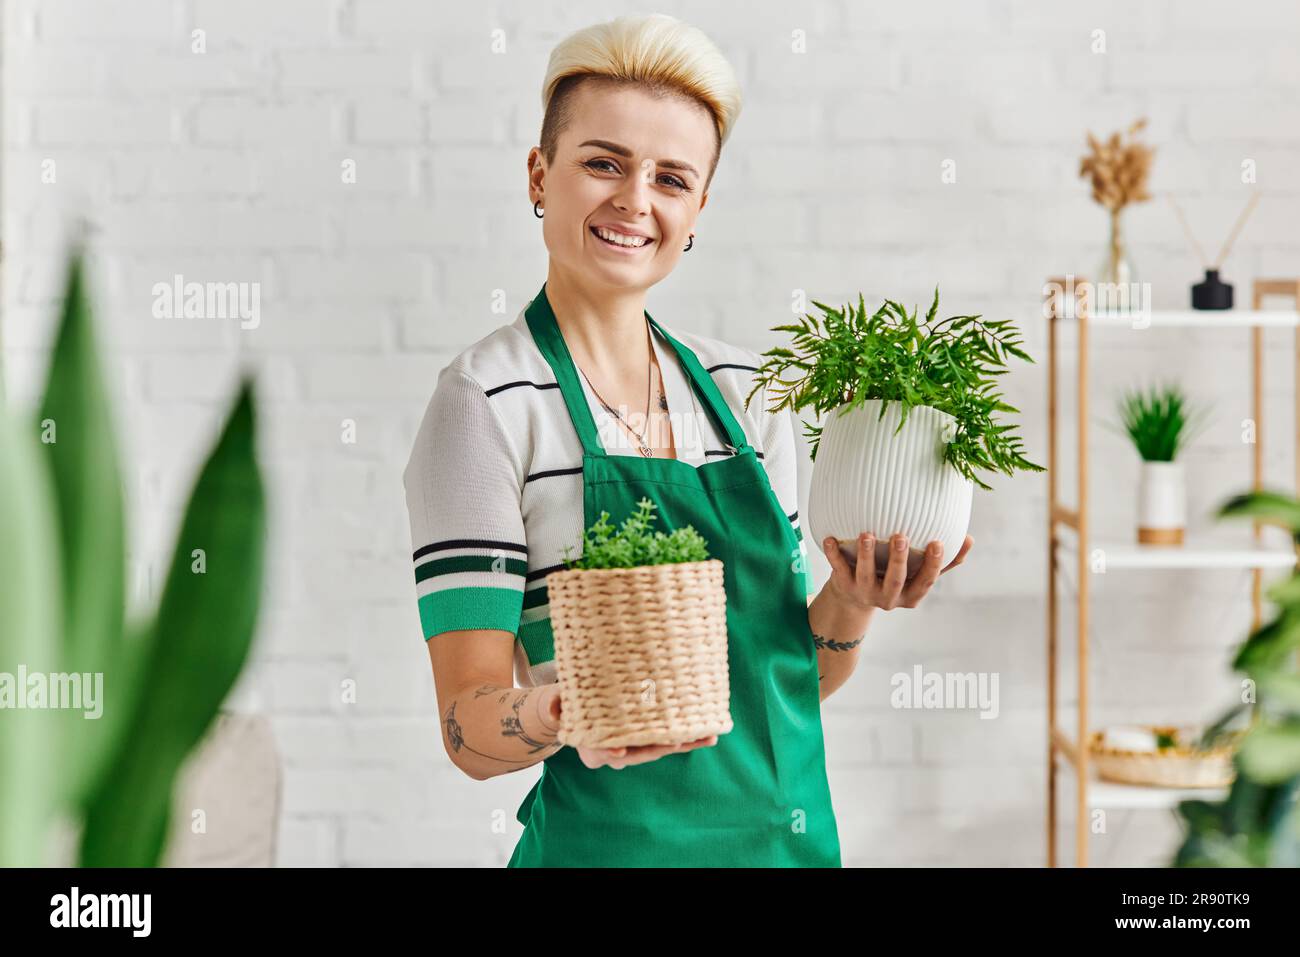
225	166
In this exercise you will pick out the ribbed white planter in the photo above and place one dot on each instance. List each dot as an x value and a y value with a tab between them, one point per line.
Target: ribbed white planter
1162	503
867	479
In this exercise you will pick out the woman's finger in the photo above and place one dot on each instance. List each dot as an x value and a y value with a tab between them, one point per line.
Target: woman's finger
961	554
895	573
839	564
925	576
864	575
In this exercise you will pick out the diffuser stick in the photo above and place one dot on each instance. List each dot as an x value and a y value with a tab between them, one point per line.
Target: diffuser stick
1187	229
1241	221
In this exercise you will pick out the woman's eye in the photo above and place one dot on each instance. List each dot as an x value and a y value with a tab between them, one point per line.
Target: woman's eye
607	166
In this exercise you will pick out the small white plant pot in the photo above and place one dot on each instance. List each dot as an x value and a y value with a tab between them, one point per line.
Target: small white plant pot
866	478
1162	503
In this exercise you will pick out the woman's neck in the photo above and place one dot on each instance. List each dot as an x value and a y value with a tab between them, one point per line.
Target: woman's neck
605	329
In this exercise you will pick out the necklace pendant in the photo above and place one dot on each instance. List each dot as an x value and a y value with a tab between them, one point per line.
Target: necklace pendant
648	453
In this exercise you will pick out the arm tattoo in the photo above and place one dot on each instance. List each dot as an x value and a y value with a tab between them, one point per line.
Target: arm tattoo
511	727
823	642
489	689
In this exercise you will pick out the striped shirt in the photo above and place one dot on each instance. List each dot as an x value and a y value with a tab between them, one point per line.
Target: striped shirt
494	479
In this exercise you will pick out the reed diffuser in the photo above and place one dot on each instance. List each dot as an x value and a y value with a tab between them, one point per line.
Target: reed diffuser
1212	292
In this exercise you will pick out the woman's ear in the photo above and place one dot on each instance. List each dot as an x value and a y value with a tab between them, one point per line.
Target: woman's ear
536	171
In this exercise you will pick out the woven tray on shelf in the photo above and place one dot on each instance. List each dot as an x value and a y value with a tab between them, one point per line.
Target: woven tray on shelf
641	653
1180	766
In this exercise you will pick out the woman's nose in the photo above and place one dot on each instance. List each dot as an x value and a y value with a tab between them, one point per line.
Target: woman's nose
634	195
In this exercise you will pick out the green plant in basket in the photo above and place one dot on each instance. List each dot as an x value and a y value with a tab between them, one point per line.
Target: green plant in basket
634	543
848	356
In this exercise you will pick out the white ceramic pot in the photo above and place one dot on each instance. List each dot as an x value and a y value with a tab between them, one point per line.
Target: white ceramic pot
868	479
1162	503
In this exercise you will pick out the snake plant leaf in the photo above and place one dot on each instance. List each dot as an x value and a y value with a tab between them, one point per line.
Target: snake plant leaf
194	651
30	620
77	435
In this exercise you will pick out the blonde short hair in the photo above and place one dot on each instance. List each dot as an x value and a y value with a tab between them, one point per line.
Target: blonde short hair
652	50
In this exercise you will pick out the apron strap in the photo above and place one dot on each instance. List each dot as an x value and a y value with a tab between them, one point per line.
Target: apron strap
546	333
708	392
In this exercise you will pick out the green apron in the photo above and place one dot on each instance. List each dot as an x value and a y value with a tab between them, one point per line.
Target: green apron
760	796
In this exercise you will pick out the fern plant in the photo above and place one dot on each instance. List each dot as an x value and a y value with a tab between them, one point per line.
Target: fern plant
633	543
848	356
1159	421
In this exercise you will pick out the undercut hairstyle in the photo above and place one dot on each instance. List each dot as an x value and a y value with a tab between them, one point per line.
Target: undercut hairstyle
655	53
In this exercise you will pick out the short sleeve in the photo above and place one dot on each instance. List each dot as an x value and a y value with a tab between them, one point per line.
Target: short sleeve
780	456
463	498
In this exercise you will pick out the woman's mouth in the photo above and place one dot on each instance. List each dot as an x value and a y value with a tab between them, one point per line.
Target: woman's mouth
620	241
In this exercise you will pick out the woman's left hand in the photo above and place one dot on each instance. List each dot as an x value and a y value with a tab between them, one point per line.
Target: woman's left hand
863	586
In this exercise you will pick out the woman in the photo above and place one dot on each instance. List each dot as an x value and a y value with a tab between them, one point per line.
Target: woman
536	428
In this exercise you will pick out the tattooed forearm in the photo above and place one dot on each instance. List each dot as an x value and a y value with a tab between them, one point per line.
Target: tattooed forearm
492	689
512	726
829	645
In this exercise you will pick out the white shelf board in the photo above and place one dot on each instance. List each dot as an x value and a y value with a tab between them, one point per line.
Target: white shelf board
1110	794
1173	318
1195	553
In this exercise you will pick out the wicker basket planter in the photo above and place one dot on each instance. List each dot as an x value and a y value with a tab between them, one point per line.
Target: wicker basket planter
641	653
1175	767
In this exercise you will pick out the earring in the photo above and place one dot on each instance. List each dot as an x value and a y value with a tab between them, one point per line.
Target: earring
535	212
689	244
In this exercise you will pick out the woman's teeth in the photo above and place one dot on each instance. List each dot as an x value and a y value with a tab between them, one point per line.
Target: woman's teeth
618	239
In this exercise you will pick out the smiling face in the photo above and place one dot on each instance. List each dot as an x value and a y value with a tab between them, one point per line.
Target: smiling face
628	180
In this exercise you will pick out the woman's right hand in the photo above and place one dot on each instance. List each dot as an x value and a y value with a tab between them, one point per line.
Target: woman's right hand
625	756
638	754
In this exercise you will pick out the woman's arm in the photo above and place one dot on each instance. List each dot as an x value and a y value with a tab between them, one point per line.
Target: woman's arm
489	726
842	611
838	631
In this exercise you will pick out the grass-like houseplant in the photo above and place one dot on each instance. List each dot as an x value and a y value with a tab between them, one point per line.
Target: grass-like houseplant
640	628
914	424
1160	422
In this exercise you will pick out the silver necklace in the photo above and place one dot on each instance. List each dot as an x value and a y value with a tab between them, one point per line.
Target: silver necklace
642	447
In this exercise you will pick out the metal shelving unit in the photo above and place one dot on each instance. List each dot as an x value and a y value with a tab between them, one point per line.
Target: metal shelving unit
1069	540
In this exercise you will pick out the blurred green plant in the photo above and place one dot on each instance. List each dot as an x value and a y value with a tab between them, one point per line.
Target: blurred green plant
63	611
1258	823
1160	421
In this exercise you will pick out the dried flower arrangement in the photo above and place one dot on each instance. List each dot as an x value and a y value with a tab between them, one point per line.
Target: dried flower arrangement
1118	168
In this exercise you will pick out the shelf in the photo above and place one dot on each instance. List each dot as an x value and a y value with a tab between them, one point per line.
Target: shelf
1203	548
1109	794
1202	553
1183	318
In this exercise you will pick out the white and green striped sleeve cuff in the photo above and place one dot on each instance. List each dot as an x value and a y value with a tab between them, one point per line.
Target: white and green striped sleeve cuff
463	487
